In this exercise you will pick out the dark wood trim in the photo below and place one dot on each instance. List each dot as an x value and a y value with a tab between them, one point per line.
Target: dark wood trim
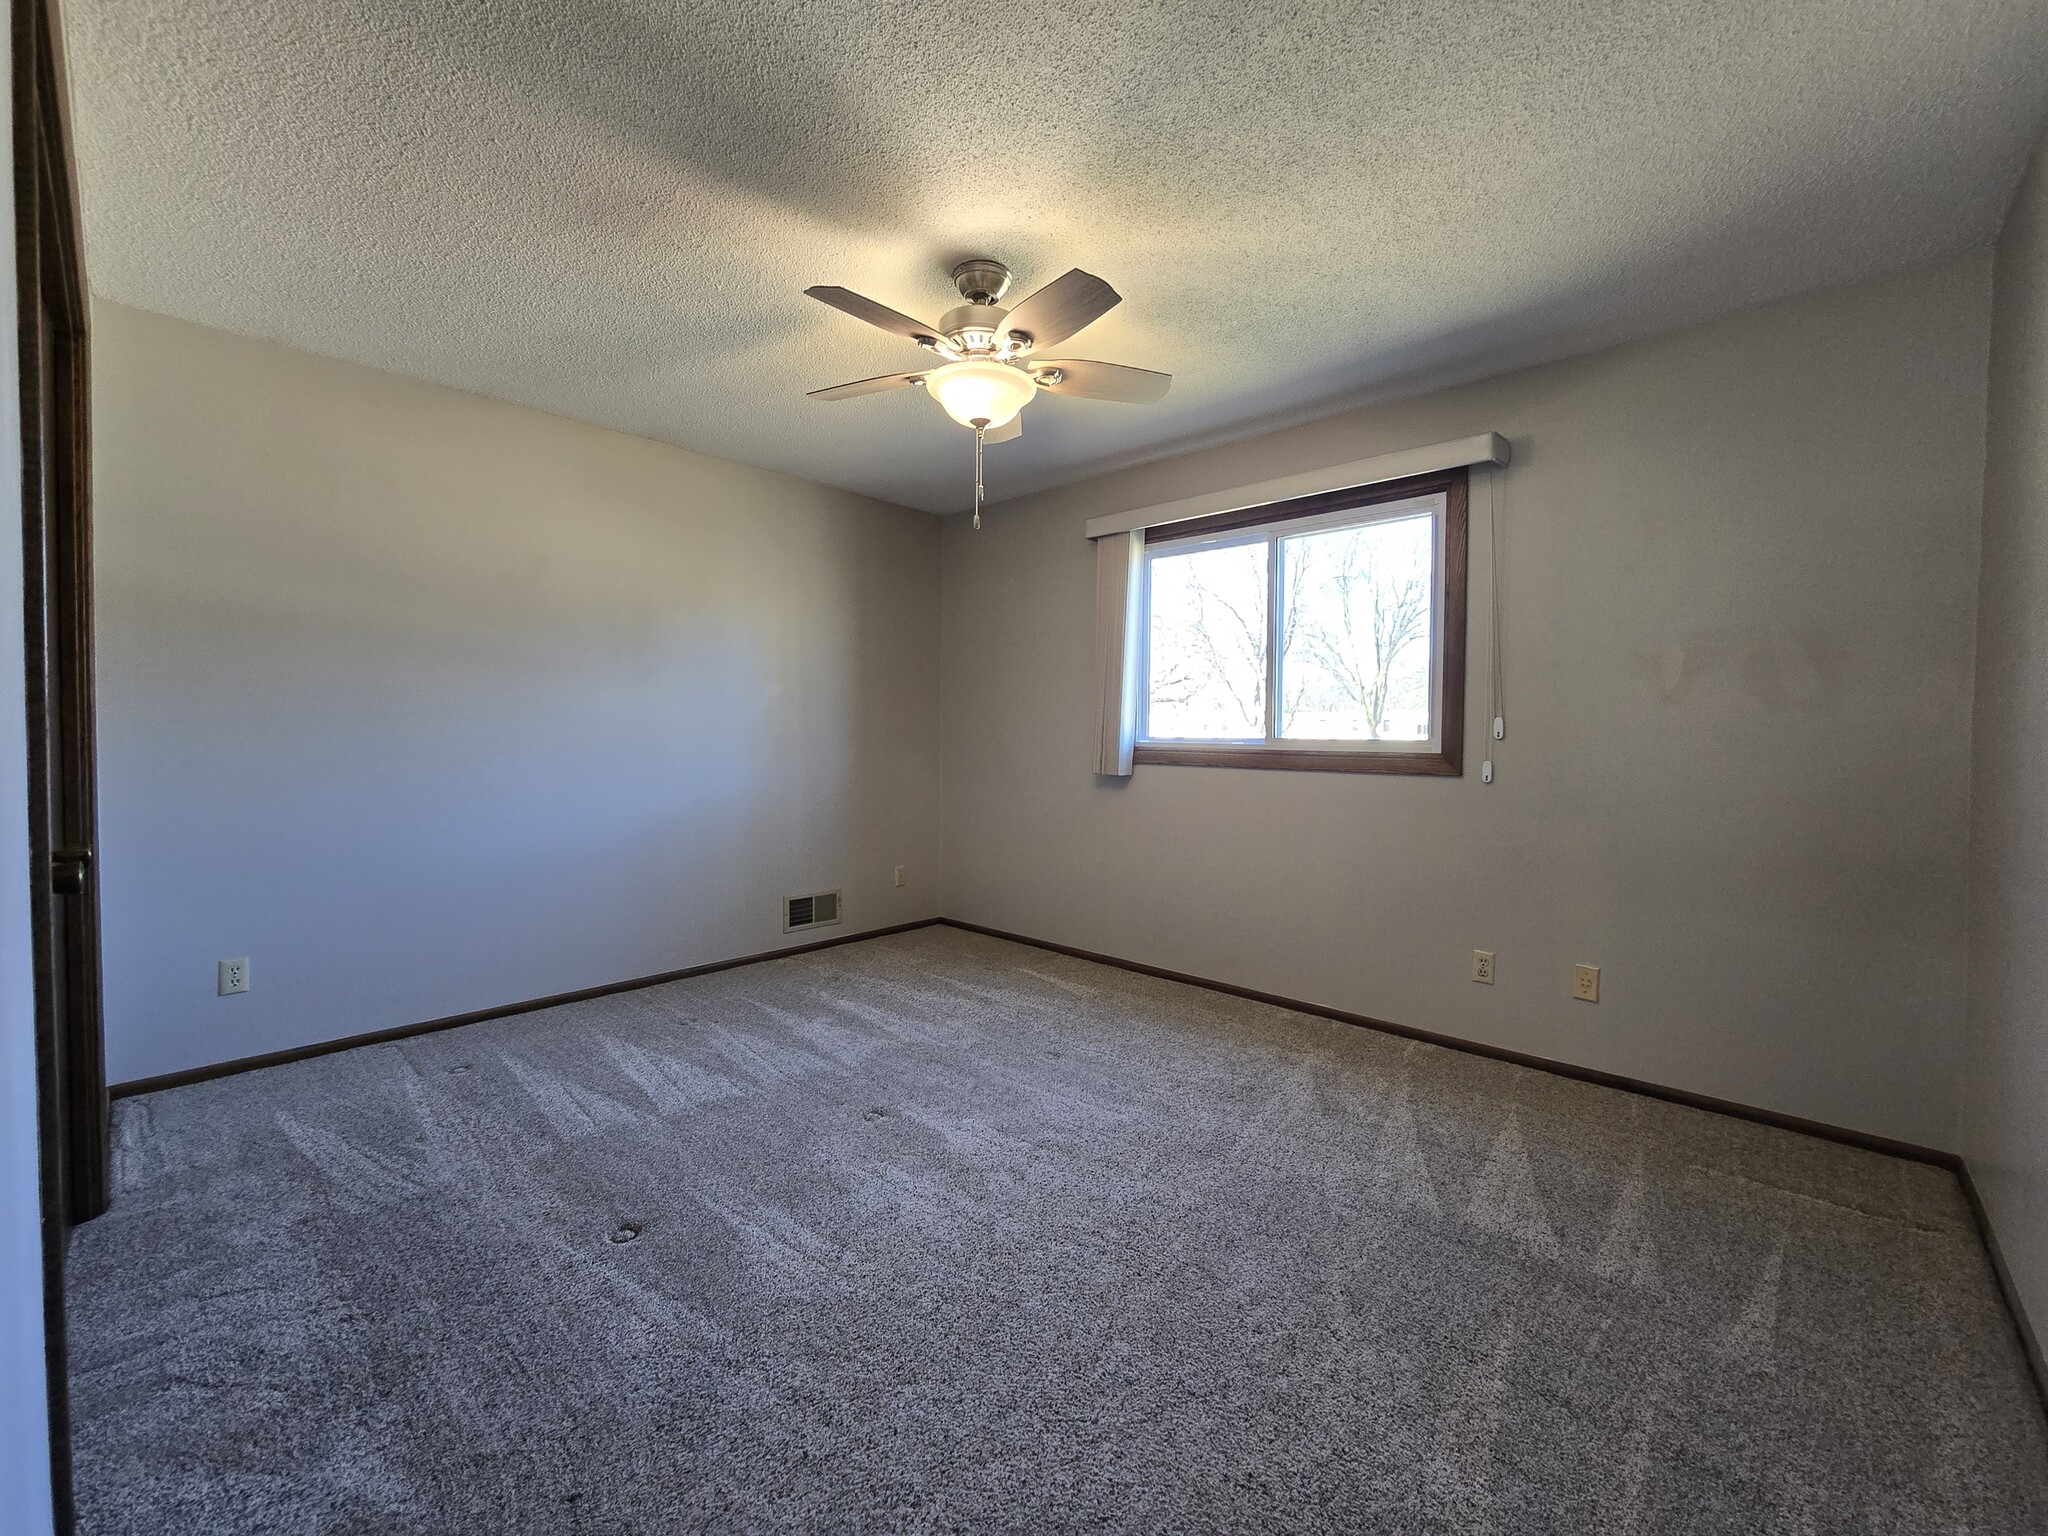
480	1015
2015	1307
1297	759
1457	566
1348	499
1691	1100
52	362
54	357
2023	1325
1448	761
1862	1139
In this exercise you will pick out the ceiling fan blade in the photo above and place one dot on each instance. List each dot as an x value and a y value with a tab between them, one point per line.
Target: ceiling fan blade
1007	432
872	386
893	321
1104	381
1061	308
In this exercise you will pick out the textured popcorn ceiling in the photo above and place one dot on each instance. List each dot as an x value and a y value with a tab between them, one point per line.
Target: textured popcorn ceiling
609	208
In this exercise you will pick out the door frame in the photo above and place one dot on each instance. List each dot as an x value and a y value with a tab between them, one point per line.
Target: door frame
53	357
56	453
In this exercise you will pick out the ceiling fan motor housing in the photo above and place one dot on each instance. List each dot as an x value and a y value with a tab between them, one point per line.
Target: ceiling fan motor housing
972	327
980	280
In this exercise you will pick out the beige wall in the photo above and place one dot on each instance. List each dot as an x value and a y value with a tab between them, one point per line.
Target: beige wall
428	703
1739	569
2005	1116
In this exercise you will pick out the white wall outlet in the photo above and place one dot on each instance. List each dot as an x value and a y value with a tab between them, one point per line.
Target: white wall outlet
903	874
234	976
1482	966
1586	983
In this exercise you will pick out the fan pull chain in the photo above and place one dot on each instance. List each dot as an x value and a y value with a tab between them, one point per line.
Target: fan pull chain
977	475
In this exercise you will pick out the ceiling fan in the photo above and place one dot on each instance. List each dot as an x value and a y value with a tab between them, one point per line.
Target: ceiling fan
991	369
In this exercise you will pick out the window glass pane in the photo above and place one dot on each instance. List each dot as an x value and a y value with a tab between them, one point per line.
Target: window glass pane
1356	634
1207	649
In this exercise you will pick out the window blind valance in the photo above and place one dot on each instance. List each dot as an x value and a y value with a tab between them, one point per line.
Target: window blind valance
1486	448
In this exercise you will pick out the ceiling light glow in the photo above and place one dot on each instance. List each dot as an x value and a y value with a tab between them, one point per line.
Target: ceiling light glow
981	391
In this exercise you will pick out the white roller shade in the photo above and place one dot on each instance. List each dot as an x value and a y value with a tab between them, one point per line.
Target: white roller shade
1119	563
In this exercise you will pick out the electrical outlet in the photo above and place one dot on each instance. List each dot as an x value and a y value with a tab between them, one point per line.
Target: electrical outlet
903	874
1482	966
1586	983
234	976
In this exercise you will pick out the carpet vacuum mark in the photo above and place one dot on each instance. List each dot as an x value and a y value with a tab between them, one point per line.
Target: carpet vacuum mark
940	1233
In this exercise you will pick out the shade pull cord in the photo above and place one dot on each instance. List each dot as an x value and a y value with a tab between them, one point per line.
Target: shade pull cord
1500	696
1498	686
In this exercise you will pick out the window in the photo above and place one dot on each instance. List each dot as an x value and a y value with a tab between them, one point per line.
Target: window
1324	633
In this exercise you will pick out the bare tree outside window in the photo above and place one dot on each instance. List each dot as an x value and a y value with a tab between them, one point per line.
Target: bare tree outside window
1354	637
1208	644
1355	632
1323	633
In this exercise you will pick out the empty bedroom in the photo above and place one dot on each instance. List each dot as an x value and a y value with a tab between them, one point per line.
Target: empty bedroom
874	768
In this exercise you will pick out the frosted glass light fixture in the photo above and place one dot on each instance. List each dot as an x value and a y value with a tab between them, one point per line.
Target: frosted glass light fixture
980	391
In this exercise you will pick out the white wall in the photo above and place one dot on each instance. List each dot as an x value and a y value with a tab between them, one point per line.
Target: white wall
427	703
1739	570
2005	1112
24	1404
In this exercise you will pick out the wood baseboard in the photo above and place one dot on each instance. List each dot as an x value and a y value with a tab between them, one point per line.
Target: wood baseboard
2015	1308
1549	1064
478	1016
2022	1324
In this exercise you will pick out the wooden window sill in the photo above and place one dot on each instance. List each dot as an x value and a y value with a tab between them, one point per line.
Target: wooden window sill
1299	759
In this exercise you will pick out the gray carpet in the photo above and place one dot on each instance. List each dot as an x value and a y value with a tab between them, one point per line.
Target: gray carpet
939	1233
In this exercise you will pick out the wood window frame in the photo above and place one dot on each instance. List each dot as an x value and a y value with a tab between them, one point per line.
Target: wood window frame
1448	760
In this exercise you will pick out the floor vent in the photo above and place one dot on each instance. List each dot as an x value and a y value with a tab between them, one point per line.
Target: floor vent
810	911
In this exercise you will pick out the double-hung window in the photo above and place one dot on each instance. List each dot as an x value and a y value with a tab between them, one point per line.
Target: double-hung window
1323	633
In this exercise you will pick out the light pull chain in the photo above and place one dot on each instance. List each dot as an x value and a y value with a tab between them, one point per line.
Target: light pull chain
978	430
